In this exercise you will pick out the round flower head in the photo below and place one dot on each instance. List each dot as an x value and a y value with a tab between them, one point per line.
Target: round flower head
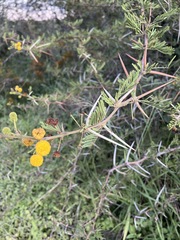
43	147
38	133
36	160
18	46
6	131
27	142
13	117
18	89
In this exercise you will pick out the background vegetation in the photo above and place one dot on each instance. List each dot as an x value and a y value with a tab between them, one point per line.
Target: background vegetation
96	189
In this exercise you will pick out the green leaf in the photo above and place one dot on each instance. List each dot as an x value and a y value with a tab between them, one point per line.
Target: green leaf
88	140
107	99
99	113
126	84
165	15
126	228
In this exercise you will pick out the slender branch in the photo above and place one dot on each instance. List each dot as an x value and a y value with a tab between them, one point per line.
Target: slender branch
118	104
163	74
136	163
144	60
123	66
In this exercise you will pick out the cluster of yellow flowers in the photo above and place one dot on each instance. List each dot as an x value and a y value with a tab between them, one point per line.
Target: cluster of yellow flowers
42	147
18	89
18	46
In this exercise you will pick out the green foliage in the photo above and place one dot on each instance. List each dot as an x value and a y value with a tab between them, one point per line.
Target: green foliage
175	121
126	84
107	99
137	21
117	135
88	140
98	114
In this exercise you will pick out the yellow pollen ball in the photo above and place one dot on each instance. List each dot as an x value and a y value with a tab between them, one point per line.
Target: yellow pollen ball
18	89
36	160
18	46
38	133
6	130
43	147
13	117
27	142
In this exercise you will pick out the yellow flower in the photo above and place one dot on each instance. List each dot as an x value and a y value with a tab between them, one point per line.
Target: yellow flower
27	142
43	147
38	133
18	46
13	117
18	89
6	131
36	160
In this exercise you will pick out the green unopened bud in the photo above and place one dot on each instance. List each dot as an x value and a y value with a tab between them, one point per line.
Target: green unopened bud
13	117
6	131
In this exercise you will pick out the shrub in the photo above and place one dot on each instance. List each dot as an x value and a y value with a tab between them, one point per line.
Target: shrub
101	117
